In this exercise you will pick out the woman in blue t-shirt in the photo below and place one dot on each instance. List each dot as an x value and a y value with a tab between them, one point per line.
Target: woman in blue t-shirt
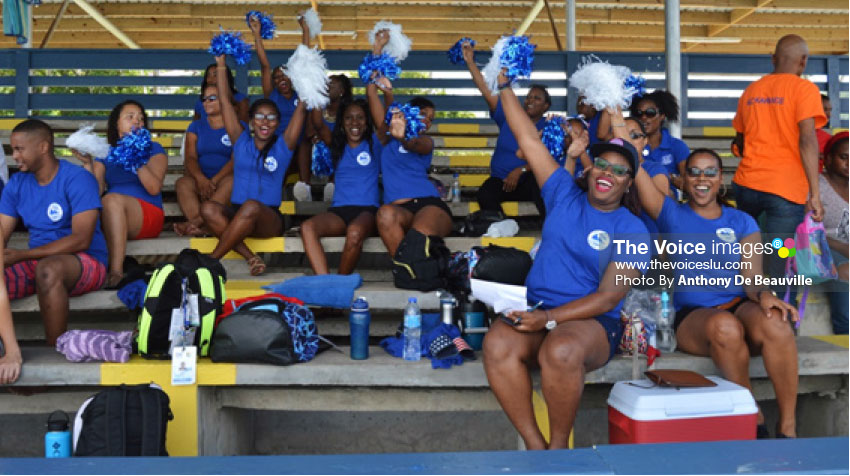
575	284
652	110
321	127
410	198
239	100
132	206
207	164
259	167
278	87
720	318
356	154
510	177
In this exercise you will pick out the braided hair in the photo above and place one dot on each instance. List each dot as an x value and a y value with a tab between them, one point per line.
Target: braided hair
338	138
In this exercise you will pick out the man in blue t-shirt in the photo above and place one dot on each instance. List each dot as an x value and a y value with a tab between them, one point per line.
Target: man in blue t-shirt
58	203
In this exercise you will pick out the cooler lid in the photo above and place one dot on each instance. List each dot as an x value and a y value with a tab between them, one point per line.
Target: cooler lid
642	400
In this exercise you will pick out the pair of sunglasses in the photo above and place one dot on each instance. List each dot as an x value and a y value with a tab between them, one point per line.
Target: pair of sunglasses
616	169
260	116
709	172
650	113
210	98
637	135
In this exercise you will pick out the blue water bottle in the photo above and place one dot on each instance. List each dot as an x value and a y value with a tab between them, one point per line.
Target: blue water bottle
57	441
359	320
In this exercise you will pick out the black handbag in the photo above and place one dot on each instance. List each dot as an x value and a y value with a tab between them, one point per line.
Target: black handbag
501	264
421	262
477	223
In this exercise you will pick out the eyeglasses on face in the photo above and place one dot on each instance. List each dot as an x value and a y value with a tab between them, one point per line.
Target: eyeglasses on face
649	112
616	169
210	98
709	172
634	135
259	116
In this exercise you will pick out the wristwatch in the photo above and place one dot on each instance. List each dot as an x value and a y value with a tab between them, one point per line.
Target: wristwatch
524	170
550	323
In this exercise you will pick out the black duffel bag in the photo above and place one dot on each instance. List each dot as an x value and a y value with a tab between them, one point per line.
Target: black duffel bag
501	264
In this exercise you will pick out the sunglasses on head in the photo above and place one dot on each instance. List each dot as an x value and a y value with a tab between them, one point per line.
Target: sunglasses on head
709	172
210	98
650	112
616	169
259	116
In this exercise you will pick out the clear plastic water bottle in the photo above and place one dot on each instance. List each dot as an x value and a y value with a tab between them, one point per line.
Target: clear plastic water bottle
358	321
412	331
665	337
57	440
456	188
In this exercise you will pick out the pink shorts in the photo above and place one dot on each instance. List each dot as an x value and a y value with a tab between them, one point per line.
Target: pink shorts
152	219
20	277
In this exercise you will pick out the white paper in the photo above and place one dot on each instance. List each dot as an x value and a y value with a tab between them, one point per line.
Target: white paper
501	297
183	365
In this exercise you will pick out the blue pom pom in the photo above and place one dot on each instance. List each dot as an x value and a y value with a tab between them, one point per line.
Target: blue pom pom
413	119
322	165
230	43
267	26
132	151
518	58
553	138
637	83
384	64
456	51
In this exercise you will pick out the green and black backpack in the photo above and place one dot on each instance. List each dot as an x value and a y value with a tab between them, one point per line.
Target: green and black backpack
205	277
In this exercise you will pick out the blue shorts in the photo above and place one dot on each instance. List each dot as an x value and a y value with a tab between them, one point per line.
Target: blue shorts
613	331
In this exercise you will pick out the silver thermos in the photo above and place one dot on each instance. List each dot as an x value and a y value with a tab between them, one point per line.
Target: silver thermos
447	305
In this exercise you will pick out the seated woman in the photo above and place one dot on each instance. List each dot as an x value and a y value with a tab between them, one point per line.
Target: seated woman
575	280
356	153
833	195
339	92
410	199
727	323
278	87
132	206
210	81
259	164
510	178
207	164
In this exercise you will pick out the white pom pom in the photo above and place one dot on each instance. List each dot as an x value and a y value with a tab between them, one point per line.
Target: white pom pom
308	70
399	45
87	142
494	67
314	24
602	84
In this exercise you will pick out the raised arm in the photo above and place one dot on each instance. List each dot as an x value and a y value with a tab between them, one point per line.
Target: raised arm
604	130
422	145
477	77
577	149
265	67
305	30
296	124
378	110
809	156
323	132
527	136
228	112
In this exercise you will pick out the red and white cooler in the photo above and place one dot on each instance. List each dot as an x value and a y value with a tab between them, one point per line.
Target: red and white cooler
667	415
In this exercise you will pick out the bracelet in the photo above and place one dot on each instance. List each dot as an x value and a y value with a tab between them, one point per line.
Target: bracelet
622	124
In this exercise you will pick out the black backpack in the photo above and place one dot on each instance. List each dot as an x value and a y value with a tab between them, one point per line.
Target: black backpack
421	262
477	223
123	421
205	277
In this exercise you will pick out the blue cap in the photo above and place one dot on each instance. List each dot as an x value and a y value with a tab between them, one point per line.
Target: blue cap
664	296
360	304
411	299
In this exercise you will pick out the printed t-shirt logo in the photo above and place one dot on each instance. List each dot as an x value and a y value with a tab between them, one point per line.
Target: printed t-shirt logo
225	140
270	163
598	239
402	150
726	234
667	159
54	212
364	158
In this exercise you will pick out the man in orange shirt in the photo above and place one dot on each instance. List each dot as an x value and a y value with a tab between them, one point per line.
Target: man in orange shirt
776	121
